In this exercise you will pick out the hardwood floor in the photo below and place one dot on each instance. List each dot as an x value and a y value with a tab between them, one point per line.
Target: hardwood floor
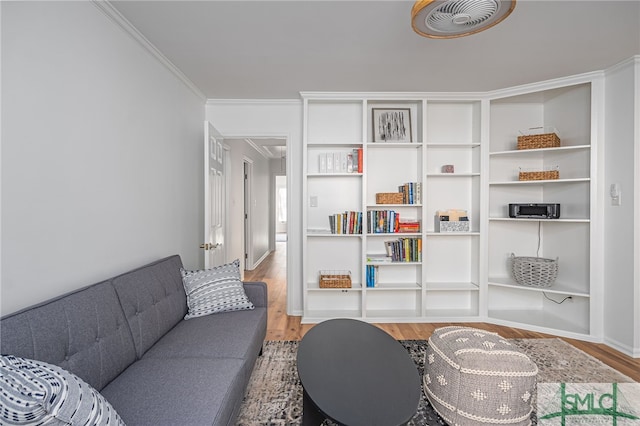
284	327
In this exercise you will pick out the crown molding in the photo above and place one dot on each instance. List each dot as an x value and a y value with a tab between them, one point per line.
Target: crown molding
112	13
253	102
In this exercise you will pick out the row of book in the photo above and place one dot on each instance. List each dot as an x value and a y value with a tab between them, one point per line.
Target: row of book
372	276
349	222
400	250
340	162
404	249
388	221
411	193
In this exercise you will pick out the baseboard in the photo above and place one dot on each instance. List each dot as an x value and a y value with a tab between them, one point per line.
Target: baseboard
259	261
625	349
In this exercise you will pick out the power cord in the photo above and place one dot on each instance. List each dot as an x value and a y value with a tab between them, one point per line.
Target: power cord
555	301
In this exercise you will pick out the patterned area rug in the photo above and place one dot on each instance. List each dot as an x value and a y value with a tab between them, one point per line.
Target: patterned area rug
274	395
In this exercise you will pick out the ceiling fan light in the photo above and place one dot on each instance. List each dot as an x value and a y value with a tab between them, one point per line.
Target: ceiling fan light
457	18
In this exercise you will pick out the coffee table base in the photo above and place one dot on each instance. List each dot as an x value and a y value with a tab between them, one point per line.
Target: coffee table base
311	416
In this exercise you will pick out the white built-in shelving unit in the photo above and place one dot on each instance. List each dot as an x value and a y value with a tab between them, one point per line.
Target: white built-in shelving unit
571	107
463	276
445	284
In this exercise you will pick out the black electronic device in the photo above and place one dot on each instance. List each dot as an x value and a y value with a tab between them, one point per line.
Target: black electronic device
535	210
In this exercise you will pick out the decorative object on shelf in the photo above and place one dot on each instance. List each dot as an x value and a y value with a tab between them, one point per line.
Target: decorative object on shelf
550	173
457	18
535	210
334	279
451	221
340	162
534	271
392	125
538	137
447	168
389	198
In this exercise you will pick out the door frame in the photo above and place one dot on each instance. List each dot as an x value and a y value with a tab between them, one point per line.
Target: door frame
247	171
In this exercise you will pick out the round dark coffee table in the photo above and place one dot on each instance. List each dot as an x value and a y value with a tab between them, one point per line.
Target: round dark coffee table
356	374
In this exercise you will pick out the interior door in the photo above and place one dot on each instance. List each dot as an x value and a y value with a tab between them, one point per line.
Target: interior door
214	198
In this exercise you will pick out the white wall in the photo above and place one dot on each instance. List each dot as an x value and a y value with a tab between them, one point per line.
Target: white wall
621	225
273	118
260	203
101	153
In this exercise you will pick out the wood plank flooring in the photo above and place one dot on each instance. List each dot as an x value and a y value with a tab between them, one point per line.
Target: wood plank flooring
284	327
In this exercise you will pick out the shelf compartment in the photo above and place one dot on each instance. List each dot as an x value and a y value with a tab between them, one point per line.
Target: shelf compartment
532	308
452	259
342	302
567	241
415	108
404	303
452	121
332	121
573	196
464	303
464	158
333	254
451	286
565	289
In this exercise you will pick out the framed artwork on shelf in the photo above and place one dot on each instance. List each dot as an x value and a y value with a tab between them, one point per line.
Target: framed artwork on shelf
392	125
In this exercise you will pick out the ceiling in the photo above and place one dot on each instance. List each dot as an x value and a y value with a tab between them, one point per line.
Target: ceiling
275	49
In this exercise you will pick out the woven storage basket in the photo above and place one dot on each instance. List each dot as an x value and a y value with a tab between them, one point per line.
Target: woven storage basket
540	175
389	198
534	271
536	140
335	279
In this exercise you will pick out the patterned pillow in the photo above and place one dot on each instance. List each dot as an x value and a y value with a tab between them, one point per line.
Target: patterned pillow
34	392
215	290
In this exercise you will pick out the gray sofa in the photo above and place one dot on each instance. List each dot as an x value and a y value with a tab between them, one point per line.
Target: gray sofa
127	338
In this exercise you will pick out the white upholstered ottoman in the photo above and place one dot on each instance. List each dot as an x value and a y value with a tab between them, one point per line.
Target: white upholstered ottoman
475	377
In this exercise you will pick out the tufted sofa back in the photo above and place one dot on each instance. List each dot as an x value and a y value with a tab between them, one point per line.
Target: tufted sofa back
84	332
98	331
153	300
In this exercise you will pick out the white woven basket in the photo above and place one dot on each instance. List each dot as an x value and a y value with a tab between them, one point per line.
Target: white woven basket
534	271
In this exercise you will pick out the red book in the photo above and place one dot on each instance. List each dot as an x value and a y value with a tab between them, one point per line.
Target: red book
359	160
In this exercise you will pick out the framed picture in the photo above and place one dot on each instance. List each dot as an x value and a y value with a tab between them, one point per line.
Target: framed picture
392	125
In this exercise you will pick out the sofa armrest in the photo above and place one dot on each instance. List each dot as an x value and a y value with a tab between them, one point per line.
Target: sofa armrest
257	293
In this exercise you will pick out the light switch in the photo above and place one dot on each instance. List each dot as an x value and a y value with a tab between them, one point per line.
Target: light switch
313	201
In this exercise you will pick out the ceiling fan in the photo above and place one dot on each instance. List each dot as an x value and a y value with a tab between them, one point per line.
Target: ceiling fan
457	18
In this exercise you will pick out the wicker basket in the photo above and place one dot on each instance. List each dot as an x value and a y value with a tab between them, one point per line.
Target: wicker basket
534	139
539	175
389	198
534	271
335	279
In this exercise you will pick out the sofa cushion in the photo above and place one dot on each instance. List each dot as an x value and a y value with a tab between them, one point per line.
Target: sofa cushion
188	391
230	334
153	300
35	392
84	332
214	290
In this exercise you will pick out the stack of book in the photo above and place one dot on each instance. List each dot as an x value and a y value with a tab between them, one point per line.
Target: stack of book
411	192
340	162
349	222
409	226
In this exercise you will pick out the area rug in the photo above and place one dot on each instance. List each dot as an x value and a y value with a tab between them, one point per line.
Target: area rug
274	395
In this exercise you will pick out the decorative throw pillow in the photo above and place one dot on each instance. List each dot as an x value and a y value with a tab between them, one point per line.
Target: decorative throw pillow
215	290
35	393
